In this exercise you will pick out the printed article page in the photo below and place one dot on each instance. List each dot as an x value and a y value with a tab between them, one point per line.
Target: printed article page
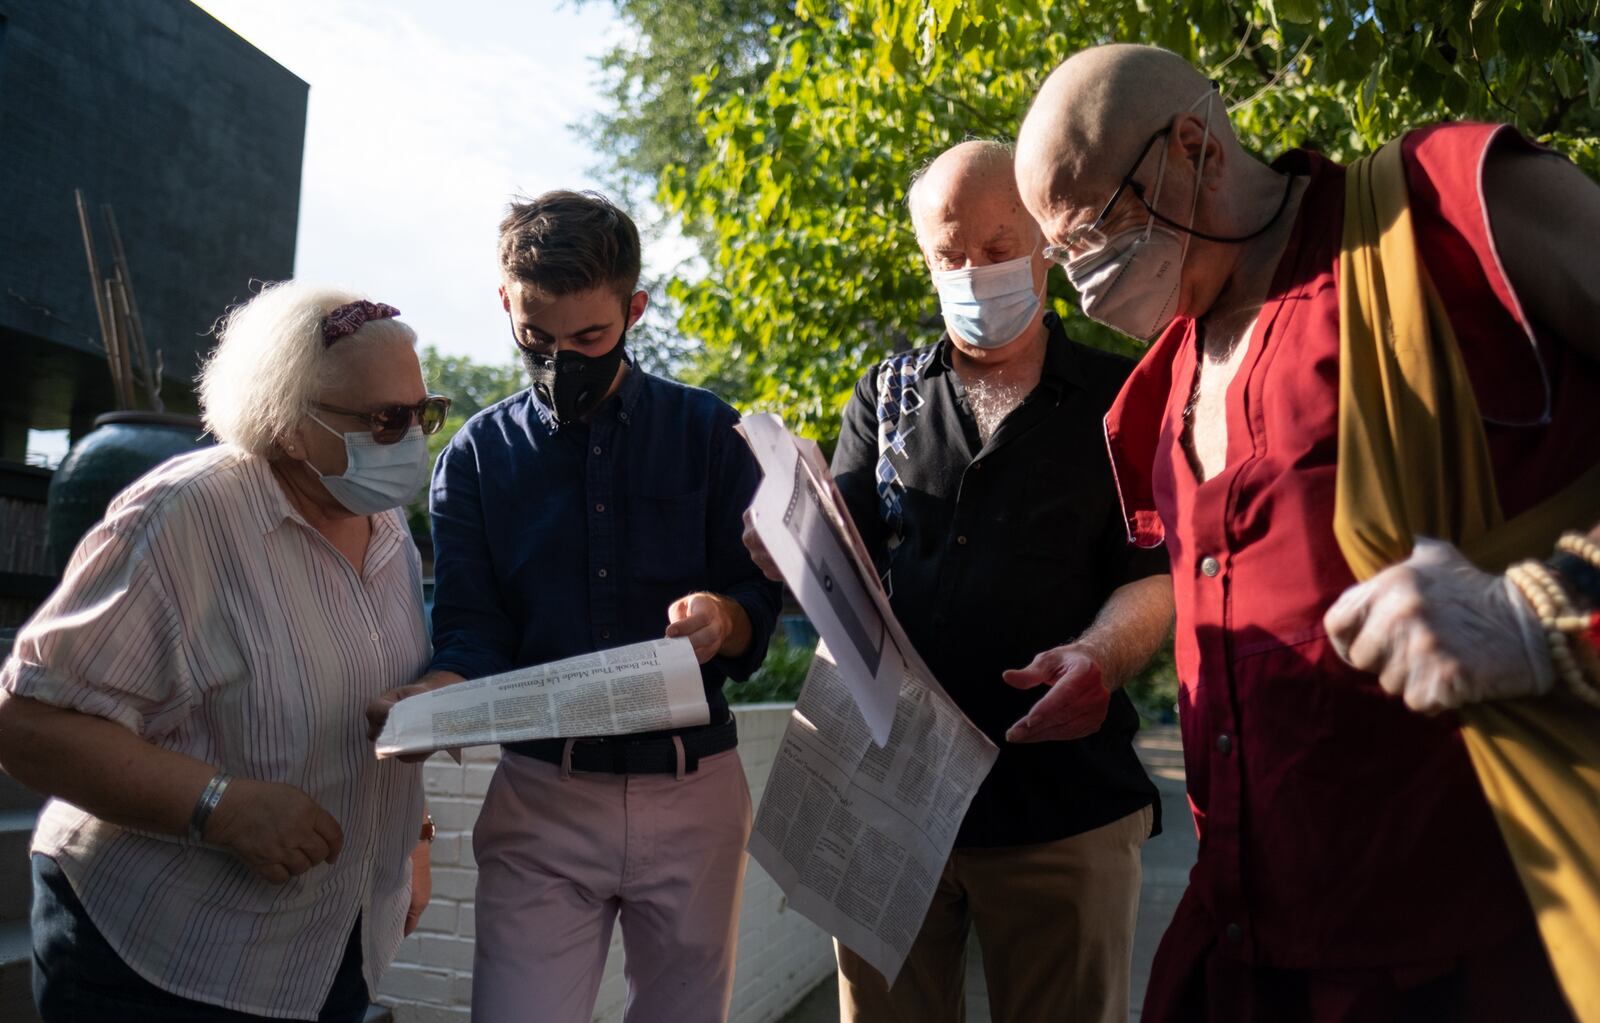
856	834
802	521
644	687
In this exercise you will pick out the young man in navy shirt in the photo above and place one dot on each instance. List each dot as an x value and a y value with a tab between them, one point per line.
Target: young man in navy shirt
598	508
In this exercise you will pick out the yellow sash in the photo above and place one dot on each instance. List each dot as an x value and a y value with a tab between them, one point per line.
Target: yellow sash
1414	461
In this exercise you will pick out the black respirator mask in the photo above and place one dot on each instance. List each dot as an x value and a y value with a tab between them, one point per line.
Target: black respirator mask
570	384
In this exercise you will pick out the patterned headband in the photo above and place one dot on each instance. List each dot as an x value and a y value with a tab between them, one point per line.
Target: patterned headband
348	318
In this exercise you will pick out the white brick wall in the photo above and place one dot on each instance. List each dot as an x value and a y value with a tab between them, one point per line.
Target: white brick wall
782	955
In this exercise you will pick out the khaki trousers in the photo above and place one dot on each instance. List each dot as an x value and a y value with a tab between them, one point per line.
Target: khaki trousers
1054	922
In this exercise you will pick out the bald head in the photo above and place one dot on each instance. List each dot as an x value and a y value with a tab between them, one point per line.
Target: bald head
973	170
967	214
1094	113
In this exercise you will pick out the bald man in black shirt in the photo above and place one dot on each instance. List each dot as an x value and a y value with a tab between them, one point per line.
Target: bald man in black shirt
976	471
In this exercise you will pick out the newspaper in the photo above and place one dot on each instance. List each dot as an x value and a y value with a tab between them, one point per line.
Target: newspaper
645	687
800	517
857	834
878	765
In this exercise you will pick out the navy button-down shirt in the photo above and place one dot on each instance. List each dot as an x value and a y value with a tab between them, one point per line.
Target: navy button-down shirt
554	542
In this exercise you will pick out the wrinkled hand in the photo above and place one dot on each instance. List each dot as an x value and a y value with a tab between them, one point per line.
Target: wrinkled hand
276	830
379	706
703	620
421	884
1077	701
758	550
1440	633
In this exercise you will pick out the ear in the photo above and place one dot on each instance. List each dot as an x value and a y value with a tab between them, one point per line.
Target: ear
636	306
1190	137
294	445
505	300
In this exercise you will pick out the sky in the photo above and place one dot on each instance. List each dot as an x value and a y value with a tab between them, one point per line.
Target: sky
423	120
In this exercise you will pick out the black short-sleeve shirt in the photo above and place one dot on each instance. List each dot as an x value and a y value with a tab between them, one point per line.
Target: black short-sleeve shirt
995	552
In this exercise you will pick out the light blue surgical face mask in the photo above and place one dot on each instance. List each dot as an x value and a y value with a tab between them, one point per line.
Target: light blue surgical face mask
377	477
988	306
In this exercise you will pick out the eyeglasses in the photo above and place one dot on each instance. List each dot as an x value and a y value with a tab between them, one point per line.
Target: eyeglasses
390	424
1091	233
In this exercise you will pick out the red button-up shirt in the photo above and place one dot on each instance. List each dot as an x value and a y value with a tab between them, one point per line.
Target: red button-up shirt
1337	828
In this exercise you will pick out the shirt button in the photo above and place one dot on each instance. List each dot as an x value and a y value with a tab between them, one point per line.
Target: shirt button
602	573
605	633
1224	744
622	416
597	449
1210	566
1235	933
374	637
599	507
962	540
977	465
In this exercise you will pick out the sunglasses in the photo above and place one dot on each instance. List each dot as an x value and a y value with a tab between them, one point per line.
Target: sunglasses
390	424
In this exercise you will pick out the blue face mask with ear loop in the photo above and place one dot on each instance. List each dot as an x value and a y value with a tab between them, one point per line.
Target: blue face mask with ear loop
989	306
377	477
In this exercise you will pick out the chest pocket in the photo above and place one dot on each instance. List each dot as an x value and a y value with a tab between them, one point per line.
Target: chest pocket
667	537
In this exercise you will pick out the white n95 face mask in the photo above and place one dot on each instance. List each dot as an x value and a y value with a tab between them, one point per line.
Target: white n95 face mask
377	477
1130	282
988	306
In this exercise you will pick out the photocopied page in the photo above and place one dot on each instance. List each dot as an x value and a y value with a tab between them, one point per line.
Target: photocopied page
644	687
856	834
808	534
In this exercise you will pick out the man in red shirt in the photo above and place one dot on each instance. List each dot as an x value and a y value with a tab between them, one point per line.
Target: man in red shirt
1349	865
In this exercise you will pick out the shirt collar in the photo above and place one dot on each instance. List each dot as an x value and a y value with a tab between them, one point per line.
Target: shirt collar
627	396
269	505
1061	364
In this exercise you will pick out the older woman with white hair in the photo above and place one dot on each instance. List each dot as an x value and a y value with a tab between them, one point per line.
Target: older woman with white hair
222	844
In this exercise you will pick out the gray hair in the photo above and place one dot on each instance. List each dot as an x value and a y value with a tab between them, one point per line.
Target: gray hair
271	362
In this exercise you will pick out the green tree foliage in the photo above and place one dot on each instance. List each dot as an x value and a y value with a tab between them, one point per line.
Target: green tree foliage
655	107
470	386
780	676
812	271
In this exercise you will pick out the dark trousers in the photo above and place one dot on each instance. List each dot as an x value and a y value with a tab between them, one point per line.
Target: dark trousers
1194	981
79	978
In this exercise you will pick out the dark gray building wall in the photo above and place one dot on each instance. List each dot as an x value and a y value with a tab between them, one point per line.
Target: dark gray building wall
190	133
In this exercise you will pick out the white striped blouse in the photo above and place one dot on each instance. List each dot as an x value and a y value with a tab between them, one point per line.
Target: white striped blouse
207	616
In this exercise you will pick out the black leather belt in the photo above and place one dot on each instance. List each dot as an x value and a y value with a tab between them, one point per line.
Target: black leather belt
651	753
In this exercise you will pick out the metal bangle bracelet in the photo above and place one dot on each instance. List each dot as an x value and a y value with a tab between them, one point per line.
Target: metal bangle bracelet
209	798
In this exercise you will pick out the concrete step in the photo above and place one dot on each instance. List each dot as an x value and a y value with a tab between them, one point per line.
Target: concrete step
15	796
16	886
16	973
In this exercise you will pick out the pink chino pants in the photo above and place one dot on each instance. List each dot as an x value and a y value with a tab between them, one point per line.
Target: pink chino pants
559	858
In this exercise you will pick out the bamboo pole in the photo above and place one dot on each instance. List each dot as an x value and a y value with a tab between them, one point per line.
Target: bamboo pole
108	338
130	311
126	348
121	370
